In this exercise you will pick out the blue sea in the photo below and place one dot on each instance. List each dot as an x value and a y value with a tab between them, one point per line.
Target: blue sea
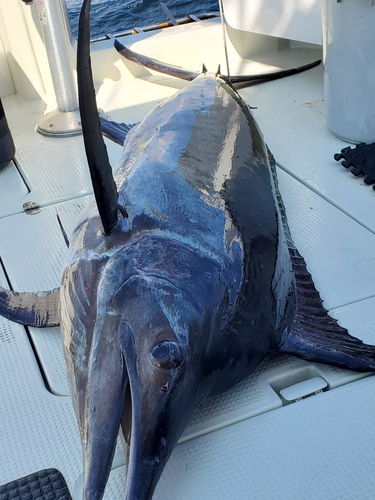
113	16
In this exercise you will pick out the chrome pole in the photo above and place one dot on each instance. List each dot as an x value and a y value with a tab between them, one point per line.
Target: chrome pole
65	120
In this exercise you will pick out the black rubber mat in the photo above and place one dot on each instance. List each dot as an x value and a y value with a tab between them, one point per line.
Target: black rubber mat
360	160
47	484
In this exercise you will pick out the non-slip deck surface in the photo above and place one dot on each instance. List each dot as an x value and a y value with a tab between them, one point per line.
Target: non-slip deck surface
320	447
291	114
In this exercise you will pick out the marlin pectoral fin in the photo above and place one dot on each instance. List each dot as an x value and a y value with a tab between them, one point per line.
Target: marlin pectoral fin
314	334
115	131
31	309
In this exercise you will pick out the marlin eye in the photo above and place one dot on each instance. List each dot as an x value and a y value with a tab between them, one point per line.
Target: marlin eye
166	354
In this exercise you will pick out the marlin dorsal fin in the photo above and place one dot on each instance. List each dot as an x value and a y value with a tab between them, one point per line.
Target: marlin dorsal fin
97	157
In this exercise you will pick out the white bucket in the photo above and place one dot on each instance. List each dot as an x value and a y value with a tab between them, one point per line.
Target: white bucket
349	68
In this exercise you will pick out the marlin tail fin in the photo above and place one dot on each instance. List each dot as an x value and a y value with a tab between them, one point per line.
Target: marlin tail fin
31	309
237	81
116	131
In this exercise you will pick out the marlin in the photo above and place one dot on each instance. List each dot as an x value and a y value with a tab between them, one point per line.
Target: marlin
182	277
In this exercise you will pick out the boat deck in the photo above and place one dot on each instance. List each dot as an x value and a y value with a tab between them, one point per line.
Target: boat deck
249	442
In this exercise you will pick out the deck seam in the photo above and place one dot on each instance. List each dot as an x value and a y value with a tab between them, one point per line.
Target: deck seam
324	197
50	204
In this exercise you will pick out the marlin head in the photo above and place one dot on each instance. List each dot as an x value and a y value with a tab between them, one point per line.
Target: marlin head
145	362
163	386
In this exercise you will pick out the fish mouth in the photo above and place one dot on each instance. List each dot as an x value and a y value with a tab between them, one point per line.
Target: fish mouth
144	460
148	418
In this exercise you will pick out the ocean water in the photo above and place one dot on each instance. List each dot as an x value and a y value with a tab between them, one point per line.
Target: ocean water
113	16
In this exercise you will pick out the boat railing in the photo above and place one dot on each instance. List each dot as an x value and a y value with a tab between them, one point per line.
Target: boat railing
166	24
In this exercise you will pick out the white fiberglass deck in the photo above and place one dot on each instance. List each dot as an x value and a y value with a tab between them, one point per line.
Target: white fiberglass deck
320	447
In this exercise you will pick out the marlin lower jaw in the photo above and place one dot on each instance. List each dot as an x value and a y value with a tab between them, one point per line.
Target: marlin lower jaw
145	467
156	429
141	481
150	448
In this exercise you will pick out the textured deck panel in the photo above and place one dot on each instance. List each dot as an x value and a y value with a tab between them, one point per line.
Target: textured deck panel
38	430
12	186
46	169
39	261
291	114
319	448
356	319
338	251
